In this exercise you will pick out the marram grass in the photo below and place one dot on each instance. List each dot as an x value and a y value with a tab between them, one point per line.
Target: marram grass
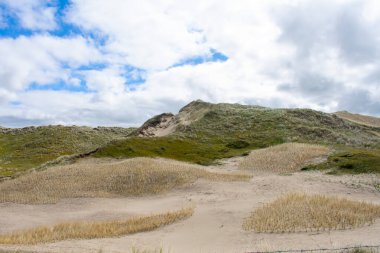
297	212
91	230
288	157
131	177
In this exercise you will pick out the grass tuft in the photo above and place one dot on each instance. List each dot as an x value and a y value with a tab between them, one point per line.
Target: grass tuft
91	230
284	158
300	212
132	177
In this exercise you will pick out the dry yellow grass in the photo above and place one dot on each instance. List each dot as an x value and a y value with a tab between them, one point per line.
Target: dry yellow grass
360	119
288	157
90	230
132	177
300	212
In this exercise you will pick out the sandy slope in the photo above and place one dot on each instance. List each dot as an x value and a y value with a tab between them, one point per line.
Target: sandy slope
359	118
216	224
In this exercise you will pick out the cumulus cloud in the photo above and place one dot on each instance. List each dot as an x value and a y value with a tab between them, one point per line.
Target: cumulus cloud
145	34
133	60
32	14
42	59
337	49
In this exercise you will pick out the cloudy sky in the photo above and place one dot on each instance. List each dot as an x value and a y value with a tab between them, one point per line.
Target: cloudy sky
119	62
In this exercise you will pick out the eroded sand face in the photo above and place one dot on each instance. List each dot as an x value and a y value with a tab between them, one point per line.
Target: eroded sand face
216	223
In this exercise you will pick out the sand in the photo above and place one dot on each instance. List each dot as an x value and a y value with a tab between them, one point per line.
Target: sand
216	225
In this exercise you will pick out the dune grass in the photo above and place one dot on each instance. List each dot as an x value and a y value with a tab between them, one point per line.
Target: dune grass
350	161
25	148
131	177
206	132
216	131
90	230
300	212
288	157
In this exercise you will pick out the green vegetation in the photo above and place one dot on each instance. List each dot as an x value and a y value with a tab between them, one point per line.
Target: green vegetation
264	126
170	147
351	160
203	133
212	131
239	144
22	149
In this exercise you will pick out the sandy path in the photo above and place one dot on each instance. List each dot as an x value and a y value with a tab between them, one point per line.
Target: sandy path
216	224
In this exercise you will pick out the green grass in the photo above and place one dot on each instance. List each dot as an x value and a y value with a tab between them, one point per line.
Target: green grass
225	130
215	131
265	125
183	149
22	149
350	160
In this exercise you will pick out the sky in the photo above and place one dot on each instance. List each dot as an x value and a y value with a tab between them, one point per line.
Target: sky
120	62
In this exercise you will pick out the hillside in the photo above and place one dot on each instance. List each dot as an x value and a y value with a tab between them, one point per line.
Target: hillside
360	119
105	179
25	148
202	132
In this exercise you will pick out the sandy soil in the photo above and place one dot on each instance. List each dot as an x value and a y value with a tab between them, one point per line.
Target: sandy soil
216	224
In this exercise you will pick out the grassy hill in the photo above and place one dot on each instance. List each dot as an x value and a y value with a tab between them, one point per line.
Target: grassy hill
25	148
200	133
204	132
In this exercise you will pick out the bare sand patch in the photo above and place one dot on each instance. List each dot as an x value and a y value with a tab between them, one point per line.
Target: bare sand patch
215	226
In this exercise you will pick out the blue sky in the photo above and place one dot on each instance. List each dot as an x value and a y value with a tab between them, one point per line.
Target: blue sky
119	62
13	28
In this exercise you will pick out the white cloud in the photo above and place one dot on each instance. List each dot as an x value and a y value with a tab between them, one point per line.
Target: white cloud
145	34
336	52
42	59
371	10
33	14
315	54
108	83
